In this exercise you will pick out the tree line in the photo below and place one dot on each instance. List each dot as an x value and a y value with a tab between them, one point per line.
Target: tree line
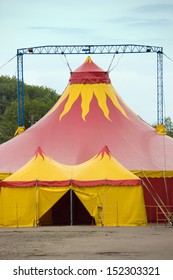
38	101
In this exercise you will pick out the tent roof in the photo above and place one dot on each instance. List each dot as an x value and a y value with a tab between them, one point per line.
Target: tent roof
42	168
89	66
103	169
87	117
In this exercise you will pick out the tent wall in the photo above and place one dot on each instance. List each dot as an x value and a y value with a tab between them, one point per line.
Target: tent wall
18	207
108	205
163	189
24	206
81	216
114	205
58	214
0	208
47	197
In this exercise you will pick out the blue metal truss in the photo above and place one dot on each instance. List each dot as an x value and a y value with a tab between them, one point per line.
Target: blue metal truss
90	49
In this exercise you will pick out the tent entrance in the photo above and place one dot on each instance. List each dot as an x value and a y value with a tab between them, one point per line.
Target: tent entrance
68	210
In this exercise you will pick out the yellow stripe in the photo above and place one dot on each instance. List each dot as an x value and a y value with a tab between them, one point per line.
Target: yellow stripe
87	95
113	96
100	94
153	173
73	96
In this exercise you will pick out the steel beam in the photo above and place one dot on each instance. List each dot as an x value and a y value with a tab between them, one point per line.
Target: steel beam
90	49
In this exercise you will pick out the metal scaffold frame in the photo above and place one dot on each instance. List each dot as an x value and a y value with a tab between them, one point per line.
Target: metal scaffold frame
89	49
160	87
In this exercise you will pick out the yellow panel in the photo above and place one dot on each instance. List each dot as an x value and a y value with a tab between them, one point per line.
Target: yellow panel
114	205
18	207
0	208
89	198
123	206
48	196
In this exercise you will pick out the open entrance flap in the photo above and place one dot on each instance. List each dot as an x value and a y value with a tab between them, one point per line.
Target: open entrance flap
47	197
89	199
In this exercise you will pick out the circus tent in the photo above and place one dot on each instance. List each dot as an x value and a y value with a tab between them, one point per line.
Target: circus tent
22	201
115	192
89	115
101	187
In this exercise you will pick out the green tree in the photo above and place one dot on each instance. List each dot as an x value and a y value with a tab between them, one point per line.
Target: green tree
8	122
169	126
8	92
38	101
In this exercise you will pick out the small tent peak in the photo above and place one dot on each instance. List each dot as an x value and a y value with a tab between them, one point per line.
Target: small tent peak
89	73
39	152
88	66
104	151
88	60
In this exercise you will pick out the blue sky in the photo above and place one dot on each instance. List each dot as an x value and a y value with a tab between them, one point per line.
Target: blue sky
41	22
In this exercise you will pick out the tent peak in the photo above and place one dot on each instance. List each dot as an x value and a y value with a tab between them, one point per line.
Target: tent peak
104	150
89	73
89	66
39	152
88	60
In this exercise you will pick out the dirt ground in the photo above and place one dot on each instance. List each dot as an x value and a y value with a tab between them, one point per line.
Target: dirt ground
87	242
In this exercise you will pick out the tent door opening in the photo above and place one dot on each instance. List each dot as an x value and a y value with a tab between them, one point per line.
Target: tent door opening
69	210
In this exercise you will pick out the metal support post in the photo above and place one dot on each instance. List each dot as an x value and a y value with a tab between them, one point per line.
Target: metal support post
20	89
71	207
160	87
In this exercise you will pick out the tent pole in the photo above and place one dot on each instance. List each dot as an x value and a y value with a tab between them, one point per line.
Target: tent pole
17	215
71	207
36	200
36	219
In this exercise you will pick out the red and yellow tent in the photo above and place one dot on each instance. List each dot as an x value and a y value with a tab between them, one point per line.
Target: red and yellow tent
109	193
112	194
31	191
89	115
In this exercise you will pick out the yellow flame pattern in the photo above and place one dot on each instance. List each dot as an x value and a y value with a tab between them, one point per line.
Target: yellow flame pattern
87	91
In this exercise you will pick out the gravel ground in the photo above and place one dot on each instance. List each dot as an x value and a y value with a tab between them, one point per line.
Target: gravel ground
87	242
